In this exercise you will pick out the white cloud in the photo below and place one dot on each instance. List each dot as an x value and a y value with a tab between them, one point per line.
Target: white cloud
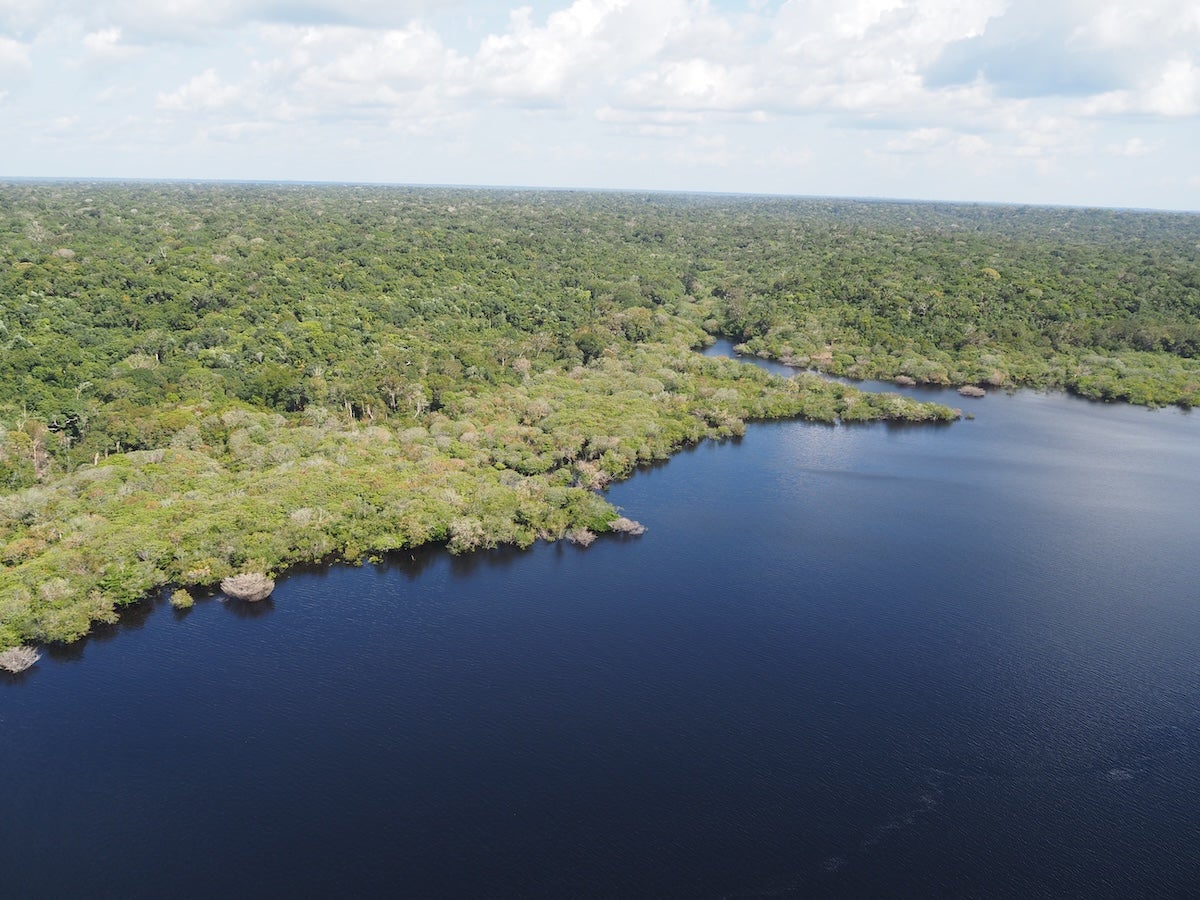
106	45
1177	90
1024	85
148	21
103	41
339	61
589	42
785	158
237	132
972	145
1146	24
1172	91
920	140
16	64
662	117
204	92
19	17
13	54
695	84
864	57
406	79
713	150
1133	147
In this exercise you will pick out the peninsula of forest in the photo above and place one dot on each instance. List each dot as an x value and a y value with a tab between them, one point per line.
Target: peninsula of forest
205	380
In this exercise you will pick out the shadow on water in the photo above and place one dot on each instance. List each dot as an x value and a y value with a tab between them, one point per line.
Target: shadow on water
408	563
130	618
16	679
411	563
655	465
246	609
135	616
71	653
498	558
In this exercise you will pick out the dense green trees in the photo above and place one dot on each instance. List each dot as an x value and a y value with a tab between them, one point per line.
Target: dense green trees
197	380
1102	303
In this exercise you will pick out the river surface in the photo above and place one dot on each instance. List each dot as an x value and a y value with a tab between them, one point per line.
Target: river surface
862	661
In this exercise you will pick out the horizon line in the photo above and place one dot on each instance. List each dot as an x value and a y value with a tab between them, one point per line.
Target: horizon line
676	192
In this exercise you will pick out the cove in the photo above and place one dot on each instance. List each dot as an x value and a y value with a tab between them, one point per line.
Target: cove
844	661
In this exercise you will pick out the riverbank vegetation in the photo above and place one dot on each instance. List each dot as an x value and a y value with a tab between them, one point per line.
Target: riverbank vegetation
1101	303
200	381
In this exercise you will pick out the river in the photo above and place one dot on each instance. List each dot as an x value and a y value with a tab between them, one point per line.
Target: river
844	661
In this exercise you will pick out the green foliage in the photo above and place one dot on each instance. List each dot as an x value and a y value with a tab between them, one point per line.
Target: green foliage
182	599
219	378
968	295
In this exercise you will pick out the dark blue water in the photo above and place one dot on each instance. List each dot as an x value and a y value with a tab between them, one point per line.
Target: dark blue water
844	661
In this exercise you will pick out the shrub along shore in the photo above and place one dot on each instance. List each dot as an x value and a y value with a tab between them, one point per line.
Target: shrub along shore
205	380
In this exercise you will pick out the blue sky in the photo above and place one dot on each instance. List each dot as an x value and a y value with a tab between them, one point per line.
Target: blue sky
1029	101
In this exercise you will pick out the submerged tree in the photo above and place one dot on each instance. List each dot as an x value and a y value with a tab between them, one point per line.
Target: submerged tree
18	659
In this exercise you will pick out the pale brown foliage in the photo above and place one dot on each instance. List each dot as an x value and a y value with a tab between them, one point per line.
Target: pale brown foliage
581	536
623	525
18	659
251	586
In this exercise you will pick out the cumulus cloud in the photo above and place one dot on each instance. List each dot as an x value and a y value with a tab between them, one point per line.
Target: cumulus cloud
19	17
1145	26
1177	91
107	45
590	42
696	84
204	92
339	61
237	132
864	56
201	19
920	140
13	54
103	41
1116	58
1133	147
405	79
910	63
1031	49
15	66
1171	90
907	80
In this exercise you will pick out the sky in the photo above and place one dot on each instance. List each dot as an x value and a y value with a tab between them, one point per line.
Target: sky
1071	102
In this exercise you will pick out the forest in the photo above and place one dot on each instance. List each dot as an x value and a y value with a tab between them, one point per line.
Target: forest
205	379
